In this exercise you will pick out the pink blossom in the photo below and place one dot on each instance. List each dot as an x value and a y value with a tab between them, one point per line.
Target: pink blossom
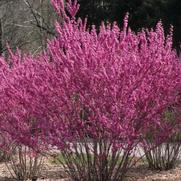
111	85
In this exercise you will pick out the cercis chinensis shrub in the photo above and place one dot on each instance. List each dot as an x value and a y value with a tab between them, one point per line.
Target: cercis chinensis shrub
93	94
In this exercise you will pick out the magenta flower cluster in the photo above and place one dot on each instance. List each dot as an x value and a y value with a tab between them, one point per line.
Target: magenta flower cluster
101	83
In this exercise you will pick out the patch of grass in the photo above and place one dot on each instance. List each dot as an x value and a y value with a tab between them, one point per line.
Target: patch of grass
57	159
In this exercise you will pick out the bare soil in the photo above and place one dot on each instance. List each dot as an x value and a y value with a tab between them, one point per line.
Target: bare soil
52	172
142	173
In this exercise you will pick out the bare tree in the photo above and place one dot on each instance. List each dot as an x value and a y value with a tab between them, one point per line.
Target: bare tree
26	24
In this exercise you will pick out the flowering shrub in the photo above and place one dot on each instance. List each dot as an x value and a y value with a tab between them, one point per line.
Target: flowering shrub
116	87
93	95
166	155
114	79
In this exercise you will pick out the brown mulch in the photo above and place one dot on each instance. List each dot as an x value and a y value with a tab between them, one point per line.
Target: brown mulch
142	173
52	172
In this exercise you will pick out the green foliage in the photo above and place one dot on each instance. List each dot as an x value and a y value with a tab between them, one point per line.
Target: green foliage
169	116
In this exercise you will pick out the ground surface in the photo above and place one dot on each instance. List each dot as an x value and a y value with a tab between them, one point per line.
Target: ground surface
53	172
141	173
